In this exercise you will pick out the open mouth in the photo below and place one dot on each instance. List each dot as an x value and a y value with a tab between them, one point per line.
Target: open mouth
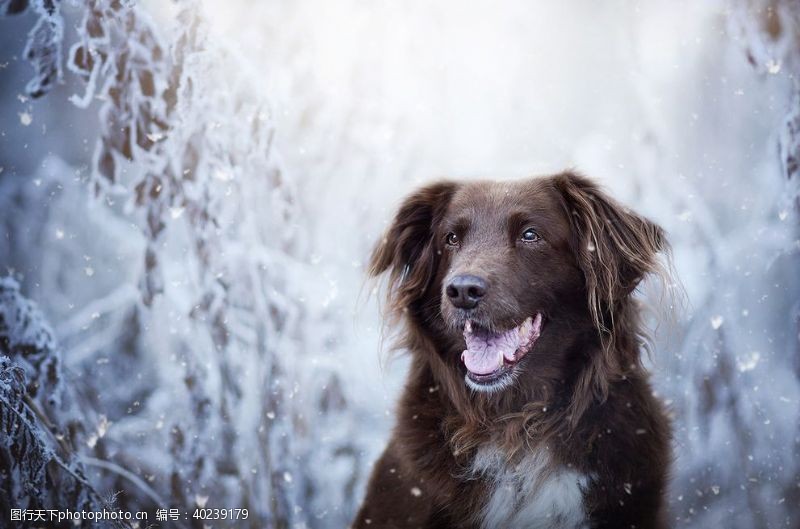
490	357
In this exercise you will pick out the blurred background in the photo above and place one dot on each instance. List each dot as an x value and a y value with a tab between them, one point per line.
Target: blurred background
189	192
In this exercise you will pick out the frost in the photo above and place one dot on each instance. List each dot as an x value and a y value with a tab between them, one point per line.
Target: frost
38	426
43	49
28	339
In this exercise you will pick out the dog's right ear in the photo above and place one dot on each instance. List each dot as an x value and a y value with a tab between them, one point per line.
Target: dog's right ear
408	249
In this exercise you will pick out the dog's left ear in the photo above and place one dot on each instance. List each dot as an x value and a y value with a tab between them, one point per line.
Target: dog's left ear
615	247
408	250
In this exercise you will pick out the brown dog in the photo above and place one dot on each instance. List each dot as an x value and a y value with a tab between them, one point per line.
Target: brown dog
526	405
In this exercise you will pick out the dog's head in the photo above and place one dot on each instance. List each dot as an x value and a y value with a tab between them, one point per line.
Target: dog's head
510	279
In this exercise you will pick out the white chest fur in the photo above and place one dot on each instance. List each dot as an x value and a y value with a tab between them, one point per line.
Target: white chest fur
531	493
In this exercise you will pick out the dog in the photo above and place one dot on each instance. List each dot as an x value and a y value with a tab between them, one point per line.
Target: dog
526	404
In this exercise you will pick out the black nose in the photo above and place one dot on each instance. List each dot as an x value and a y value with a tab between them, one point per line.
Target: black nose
466	291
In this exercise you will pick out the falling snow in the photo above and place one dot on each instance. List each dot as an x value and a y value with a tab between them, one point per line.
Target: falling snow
188	219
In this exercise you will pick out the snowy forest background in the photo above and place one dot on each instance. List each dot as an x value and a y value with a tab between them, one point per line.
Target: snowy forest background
189	191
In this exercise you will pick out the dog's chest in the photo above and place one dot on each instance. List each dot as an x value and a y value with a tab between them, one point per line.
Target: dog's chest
530	493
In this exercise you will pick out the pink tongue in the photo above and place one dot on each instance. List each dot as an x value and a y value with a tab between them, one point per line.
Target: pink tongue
486	351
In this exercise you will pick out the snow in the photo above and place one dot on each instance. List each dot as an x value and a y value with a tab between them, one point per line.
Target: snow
193	223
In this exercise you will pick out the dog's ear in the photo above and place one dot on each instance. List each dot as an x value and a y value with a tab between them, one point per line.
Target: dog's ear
408	249
614	247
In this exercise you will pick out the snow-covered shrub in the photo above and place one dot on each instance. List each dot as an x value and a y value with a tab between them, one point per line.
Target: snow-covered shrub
41	428
214	342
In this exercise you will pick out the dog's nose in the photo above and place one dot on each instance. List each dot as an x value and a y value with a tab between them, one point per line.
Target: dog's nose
465	291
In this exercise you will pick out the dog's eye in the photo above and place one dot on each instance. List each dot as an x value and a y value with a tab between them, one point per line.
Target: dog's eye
530	235
452	239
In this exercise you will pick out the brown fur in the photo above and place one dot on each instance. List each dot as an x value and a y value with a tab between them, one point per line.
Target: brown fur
582	393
